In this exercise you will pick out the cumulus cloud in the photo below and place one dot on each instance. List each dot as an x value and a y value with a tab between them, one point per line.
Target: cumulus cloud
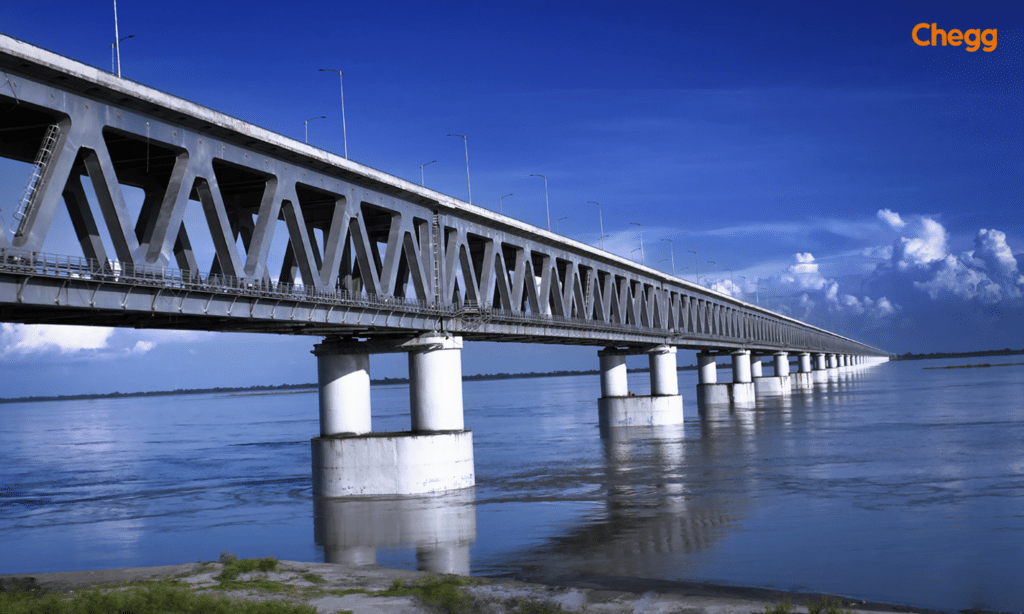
805	273
987	274
891	218
927	246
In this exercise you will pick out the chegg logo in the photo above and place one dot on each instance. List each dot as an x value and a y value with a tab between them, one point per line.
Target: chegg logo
973	38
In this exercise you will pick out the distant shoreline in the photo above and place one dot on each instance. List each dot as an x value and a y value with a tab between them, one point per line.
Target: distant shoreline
401	381
935	355
296	388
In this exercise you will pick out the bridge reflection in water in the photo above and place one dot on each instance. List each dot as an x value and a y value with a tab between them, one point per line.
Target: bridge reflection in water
440	527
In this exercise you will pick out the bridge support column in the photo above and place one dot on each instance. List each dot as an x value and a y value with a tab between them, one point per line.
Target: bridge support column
709	391
820	369
435	383
832	362
742	391
778	384
805	376
343	373
617	407
435	456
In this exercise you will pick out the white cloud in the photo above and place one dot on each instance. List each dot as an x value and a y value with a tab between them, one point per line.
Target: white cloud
22	339
928	246
891	218
805	273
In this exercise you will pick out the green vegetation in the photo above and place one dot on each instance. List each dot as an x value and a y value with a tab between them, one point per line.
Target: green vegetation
156	598
828	605
233	566
445	595
825	605
314	578
783	607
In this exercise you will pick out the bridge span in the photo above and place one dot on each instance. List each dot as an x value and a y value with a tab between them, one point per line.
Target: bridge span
306	242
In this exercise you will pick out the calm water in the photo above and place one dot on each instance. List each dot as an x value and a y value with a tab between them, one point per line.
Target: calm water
897	484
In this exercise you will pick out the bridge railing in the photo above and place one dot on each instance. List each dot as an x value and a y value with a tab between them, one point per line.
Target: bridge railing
470	314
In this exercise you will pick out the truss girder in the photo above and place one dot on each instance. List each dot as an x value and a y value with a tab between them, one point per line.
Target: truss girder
434	262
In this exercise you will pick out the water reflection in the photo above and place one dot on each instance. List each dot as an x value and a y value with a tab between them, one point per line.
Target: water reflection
440	527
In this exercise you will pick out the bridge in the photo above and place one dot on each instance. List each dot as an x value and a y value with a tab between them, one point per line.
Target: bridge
369	263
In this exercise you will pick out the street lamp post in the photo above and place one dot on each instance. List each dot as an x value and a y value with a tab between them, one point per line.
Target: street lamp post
465	142
559	220
641	241
500	210
696	273
307	125
672	252
547	204
341	83
730	276
715	264
421	171
117	67
599	220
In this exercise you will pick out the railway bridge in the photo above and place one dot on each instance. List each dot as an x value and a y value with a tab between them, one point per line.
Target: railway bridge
306	242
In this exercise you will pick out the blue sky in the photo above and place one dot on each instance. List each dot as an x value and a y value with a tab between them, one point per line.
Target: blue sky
830	167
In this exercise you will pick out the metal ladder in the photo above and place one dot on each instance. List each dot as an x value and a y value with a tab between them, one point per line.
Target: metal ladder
28	197
438	257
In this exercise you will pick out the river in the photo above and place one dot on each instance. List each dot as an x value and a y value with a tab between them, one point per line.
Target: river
897	484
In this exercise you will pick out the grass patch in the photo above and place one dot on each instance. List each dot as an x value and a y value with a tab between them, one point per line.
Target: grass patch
445	594
783	607
314	578
233	567
828	605
158	598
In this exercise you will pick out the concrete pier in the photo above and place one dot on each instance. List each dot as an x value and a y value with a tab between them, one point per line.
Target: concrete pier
709	391
776	385
436	455
343	373
820	369
832	362
805	375
617	407
742	387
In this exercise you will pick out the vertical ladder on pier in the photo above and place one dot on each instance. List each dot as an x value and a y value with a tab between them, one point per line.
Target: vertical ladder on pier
588	298
438	256
28	197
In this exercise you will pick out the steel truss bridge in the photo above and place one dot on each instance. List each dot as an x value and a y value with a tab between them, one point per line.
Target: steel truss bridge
366	254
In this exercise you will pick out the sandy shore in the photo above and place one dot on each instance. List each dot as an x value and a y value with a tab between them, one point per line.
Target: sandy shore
589	596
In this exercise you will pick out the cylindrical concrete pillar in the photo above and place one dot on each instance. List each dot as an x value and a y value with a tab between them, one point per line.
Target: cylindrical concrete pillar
781	364
614	382
707	370
805	362
755	366
833	361
435	384
741	367
343	373
819	362
664	376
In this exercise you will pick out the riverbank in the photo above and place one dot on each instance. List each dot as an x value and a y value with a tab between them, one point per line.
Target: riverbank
333	588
